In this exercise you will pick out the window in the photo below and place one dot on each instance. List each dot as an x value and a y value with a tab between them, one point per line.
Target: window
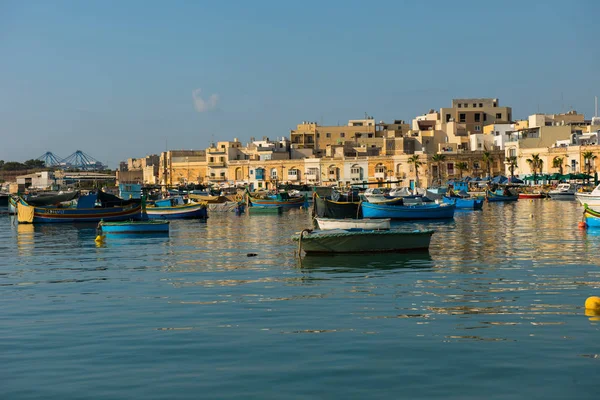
313	171
273	173
498	115
292	172
355	170
212	174
448	117
379	169
480	105
484	117
459	105
465	105
479	145
474	105
222	159
211	159
370	135
222	146
462	117
495	105
450	167
318	135
342	134
497	133
477	128
222	174
331	170
477	117
328	135
476	165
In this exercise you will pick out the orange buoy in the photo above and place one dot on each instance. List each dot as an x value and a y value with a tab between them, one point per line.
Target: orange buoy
592	303
582	225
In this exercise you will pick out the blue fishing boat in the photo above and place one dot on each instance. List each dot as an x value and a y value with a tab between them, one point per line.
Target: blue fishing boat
591	217
500	196
464	203
133	227
282	199
421	211
184	211
92	207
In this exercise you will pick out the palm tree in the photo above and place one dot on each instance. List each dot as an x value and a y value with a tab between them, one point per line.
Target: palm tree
535	163
461	166
587	157
557	162
437	159
512	164
414	159
488	158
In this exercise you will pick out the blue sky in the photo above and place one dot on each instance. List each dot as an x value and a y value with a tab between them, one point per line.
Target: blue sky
120	79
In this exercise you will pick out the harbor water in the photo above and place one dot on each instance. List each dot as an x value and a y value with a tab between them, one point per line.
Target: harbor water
223	309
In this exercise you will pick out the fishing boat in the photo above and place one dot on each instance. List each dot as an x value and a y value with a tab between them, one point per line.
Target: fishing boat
264	210
341	207
564	191
531	195
591	217
464	203
592	199
282	199
183	211
423	211
352	223
362	241
498	196
92	207
133	227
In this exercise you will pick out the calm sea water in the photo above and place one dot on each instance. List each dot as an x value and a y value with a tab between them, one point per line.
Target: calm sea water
495	311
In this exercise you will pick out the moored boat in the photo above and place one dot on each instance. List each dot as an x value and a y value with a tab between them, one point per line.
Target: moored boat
93	207
497	197
133	227
591	217
281	199
184	211
362	241
423	211
564	191
532	195
464	203
263	210
325	207
352	223
592	199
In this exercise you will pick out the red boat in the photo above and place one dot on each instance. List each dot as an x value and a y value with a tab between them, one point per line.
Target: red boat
531	195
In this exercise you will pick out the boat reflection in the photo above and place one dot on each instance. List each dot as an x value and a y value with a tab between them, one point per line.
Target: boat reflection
353	263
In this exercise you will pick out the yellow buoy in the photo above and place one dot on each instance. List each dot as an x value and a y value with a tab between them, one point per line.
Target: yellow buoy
592	303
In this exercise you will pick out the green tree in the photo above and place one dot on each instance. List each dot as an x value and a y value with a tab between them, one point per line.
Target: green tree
414	159
536	164
13	166
34	164
588	156
557	162
512	164
438	159
461	166
488	158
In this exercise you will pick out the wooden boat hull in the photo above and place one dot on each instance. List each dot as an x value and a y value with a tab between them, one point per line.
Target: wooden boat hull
591	217
350	223
286	204
424	211
134	227
187	211
493	197
45	215
531	196
326	208
363	241
464	204
264	210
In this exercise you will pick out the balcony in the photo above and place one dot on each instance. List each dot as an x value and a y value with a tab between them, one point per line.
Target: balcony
312	177
220	164
217	178
292	177
379	175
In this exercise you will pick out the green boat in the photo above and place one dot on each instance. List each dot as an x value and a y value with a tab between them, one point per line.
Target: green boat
264	210
362	241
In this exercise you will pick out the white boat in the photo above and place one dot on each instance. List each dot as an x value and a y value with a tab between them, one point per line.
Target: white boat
564	191
350	223
375	195
592	199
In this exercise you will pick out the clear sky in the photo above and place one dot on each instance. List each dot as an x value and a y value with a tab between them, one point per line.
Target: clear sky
120	79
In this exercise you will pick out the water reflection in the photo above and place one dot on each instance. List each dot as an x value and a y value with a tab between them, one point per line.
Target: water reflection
342	263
